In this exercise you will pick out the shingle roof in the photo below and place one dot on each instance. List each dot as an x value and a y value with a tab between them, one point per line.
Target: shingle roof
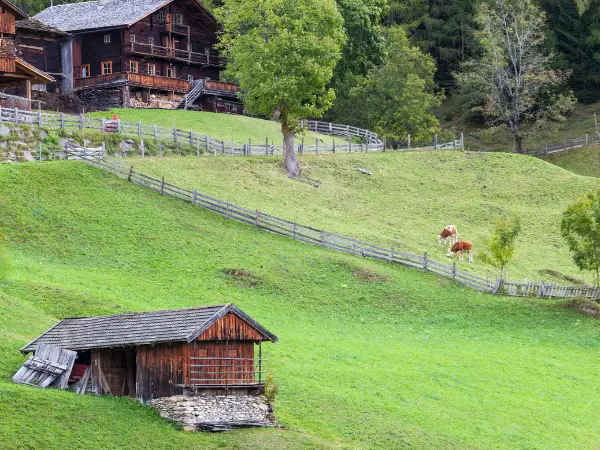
123	330
99	14
37	25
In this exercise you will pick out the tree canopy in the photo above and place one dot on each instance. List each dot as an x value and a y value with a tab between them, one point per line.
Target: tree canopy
283	54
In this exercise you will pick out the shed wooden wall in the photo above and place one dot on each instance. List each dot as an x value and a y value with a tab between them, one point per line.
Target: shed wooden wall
116	365
7	21
94	51
230	327
43	52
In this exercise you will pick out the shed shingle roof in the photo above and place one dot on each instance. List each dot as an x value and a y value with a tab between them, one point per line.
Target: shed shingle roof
37	25
123	330
99	14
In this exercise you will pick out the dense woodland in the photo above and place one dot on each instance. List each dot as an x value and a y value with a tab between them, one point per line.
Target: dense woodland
401	50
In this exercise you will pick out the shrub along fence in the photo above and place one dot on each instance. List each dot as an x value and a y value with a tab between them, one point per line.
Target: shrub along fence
206	145
326	239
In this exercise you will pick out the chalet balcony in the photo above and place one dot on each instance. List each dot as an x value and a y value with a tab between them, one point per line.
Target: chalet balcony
174	28
8	55
209	59
220	88
227	372
134	79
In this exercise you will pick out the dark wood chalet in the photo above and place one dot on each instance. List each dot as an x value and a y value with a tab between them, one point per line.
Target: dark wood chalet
41	46
143	53
205	350
16	76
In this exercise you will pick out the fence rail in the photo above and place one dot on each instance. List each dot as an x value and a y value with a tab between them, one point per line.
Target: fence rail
202	144
326	239
566	144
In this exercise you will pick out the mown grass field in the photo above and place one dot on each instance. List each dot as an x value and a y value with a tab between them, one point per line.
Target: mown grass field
582	161
219	126
370	355
407	201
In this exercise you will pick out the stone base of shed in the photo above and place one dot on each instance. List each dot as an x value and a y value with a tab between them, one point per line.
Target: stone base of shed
207	413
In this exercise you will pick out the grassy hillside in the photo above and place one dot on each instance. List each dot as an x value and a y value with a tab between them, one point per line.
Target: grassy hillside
221	126
583	161
579	123
370	356
408	200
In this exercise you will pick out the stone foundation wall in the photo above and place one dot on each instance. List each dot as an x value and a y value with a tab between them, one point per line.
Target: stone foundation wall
216	413
102	99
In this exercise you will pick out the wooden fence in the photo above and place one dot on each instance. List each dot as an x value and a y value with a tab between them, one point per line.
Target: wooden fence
567	144
202	144
327	239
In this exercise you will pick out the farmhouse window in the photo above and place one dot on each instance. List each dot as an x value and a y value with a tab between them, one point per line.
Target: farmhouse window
170	72
190	78
132	37
152	69
178	18
85	71
133	66
107	38
160	16
151	41
106	67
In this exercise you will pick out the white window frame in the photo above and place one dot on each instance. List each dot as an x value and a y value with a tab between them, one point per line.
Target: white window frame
107	38
132	37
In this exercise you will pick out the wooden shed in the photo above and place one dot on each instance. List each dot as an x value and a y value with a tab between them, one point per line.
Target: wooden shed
204	350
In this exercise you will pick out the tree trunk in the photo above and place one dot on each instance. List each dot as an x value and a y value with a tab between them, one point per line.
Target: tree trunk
519	144
291	165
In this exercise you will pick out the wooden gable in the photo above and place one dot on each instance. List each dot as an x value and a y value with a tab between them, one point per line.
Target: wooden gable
233	328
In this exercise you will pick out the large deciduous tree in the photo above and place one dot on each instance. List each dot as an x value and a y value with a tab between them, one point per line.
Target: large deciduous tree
514	75
580	227
397	97
283	53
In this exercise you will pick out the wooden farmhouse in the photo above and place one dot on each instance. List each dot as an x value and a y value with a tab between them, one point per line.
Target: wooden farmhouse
142	53
209	350
16	75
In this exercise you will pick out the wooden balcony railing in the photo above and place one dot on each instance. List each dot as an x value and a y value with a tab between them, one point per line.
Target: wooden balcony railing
227	371
206	59
134	79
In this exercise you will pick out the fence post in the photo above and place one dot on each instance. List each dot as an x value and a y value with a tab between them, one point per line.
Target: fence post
267	146
142	148
179	149
317	146
349	144
391	258
454	270
322	238
462	140
222	144
384	143
103	149
175	134
435	141
546	149
103	125
257	219
155	133
191	138
162	186
425	261
249	146
118	125
334	145
40	122
160	149
408	141
294	230
81	119
1	118
302	147
586	140
195	197
565	143
130	173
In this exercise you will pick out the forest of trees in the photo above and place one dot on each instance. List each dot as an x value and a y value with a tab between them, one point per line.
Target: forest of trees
396	51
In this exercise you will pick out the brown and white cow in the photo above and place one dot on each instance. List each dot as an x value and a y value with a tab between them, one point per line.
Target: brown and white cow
450	232
462	247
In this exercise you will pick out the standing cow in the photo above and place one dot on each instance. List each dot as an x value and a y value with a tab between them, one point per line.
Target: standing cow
450	232
462	247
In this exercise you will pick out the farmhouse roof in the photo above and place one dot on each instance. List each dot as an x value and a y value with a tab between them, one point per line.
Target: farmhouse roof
101	14
124	330
38	25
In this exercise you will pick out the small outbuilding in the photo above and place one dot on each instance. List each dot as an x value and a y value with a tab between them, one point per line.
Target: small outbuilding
209	350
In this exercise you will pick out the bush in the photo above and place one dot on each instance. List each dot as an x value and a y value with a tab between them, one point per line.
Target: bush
271	388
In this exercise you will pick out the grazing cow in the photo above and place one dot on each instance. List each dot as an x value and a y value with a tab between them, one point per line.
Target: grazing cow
450	232
462	247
